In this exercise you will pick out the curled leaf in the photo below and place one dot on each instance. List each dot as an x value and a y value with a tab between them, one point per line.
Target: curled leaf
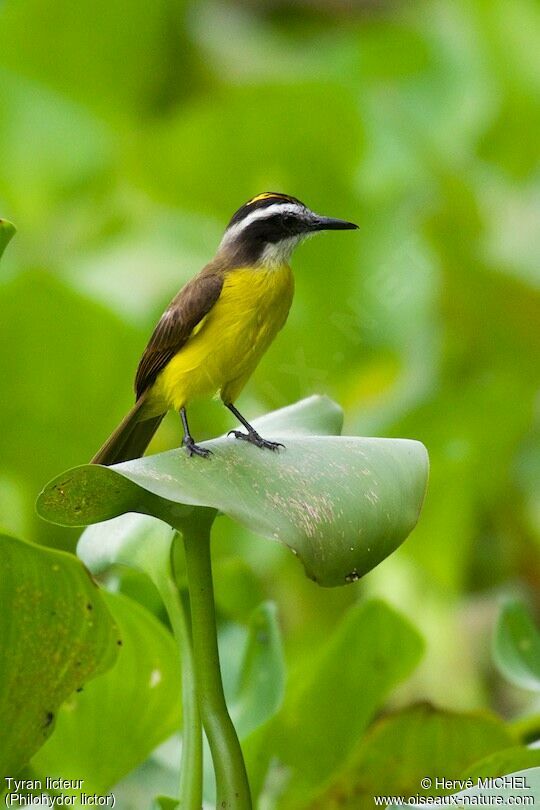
340	503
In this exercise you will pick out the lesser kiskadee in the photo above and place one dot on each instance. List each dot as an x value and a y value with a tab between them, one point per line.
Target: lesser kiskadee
214	332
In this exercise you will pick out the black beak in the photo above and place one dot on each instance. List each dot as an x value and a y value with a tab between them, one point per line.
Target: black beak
329	224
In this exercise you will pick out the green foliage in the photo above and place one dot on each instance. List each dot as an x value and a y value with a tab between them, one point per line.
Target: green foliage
164	803
403	748
509	760
261	684
516	646
341	504
138	541
119	43
331	700
117	720
37	311
56	633
127	139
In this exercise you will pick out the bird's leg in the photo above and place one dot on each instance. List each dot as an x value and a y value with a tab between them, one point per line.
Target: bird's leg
251	435
188	440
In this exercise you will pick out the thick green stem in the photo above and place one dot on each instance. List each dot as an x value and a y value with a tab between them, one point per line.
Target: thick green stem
191	766
231	779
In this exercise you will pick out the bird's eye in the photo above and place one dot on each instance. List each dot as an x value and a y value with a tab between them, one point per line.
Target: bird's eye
288	220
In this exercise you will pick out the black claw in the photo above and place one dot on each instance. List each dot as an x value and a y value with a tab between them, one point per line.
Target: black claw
193	449
255	439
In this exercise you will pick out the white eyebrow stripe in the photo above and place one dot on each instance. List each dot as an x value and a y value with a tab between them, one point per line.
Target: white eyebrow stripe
261	213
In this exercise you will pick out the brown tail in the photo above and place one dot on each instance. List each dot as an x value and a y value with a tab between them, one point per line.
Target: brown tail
130	439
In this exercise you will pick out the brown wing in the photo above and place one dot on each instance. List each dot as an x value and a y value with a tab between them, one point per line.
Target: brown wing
185	311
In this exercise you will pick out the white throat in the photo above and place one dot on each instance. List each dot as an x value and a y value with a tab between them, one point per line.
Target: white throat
276	254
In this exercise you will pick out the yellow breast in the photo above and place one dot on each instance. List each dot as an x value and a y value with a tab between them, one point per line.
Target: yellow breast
227	345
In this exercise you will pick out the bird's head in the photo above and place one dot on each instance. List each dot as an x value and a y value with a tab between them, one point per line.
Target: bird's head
268	227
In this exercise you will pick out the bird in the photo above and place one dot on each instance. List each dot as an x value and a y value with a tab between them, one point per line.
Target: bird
216	329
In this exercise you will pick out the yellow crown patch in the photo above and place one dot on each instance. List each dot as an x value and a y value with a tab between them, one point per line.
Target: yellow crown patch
268	195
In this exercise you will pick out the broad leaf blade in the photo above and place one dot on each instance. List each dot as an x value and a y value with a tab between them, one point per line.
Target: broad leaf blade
139	541
516	647
313	416
401	749
331	701
143	542
56	634
262	674
112	726
509	760
342	504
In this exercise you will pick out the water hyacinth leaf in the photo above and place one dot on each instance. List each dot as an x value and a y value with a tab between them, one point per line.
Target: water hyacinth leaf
164	803
261	683
143	542
112	726
330	703
342	504
139	541
56	633
402	748
516	646
509	760
6	232
313	416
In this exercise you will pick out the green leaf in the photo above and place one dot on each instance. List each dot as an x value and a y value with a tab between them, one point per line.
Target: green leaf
405	747
516	646
331	700
110	727
164	803
342	504
138	541
56	634
7	230
262	674
510	760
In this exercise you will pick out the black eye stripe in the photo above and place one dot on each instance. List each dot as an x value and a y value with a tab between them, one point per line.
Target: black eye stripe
273	228
266	202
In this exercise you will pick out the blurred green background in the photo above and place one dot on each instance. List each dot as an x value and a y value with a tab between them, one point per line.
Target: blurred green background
130	132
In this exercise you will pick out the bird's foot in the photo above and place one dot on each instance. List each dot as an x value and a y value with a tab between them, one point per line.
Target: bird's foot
193	449
254	438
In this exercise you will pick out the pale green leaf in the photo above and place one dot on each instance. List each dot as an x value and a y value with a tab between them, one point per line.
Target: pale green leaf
110	727
331	700
509	760
139	541
56	633
261	684
342	504
516	646
405	747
